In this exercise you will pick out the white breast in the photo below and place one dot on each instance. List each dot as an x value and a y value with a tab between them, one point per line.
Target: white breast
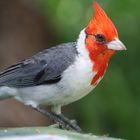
77	80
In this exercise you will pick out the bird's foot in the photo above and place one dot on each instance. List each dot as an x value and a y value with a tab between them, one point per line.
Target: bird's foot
73	127
61	120
70	124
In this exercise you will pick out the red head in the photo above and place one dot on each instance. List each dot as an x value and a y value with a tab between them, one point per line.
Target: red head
101	41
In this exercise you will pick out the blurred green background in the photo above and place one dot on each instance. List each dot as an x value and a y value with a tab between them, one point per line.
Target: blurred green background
113	108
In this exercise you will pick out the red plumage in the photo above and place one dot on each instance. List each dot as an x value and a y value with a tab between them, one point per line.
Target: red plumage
98	52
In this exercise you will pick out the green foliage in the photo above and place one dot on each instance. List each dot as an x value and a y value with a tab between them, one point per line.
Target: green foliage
114	109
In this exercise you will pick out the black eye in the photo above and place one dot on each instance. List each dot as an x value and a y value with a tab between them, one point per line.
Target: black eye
100	38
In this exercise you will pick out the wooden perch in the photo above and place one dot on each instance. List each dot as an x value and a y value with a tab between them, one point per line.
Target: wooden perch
46	133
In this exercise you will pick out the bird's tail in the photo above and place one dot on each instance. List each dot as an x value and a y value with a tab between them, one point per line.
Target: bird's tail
7	92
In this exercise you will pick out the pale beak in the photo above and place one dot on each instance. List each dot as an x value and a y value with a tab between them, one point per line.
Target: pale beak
116	44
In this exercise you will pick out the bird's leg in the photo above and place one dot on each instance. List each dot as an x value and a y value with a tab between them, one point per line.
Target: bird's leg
61	120
70	123
51	116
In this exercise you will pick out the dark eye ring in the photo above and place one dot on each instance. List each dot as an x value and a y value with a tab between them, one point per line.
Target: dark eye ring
100	38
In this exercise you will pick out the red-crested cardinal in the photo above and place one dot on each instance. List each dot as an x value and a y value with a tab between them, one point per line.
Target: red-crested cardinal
65	73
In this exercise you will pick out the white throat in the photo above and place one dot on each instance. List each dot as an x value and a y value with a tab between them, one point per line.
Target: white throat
81	45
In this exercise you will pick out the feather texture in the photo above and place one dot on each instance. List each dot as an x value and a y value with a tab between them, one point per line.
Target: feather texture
43	68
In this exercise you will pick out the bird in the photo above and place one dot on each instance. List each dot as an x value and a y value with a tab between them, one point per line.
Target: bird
64	73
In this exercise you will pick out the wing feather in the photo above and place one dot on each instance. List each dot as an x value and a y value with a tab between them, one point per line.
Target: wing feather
43	68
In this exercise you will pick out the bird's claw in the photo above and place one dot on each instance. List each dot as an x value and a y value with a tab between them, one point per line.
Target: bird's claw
74	125
73	122
71	125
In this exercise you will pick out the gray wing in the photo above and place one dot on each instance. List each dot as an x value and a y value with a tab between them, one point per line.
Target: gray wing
43	68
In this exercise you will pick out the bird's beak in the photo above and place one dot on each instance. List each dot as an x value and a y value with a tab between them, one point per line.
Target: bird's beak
116	44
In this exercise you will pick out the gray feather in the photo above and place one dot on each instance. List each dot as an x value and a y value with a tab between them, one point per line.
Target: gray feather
43	68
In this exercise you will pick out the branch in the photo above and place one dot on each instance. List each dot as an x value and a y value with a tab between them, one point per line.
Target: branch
46	133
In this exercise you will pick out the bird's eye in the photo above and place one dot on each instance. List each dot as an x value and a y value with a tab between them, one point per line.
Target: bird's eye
100	38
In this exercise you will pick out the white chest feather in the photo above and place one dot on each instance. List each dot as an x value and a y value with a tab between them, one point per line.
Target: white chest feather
77	80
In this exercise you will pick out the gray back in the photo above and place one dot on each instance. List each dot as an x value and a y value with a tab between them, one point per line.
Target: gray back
43	68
